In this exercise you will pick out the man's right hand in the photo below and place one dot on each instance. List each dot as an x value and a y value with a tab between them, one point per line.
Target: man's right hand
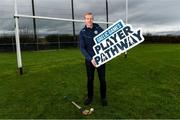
93	62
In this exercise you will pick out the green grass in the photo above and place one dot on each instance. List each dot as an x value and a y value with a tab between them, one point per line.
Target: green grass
145	85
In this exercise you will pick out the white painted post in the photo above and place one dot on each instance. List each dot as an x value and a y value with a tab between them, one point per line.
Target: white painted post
59	19
126	21
18	49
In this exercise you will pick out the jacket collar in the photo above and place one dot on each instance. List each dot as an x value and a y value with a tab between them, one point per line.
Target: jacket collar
94	25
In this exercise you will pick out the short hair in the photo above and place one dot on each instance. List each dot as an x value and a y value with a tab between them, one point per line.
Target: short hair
87	13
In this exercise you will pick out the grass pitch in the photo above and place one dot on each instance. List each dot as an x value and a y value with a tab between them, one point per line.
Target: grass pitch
144	85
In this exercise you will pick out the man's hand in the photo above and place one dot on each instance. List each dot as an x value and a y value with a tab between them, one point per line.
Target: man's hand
93	62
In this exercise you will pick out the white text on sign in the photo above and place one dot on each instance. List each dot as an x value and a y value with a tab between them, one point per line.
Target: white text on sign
115	40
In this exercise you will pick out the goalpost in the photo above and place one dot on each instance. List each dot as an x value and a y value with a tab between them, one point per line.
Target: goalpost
17	38
126	21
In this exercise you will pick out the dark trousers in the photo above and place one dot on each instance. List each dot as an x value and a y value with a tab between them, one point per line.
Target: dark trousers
90	78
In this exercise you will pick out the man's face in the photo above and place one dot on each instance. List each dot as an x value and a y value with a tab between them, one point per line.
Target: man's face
89	20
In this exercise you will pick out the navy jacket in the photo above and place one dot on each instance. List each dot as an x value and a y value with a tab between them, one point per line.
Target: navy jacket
86	40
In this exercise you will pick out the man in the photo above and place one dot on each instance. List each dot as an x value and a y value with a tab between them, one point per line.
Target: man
86	46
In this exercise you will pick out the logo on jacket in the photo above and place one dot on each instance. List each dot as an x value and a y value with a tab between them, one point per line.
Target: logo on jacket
96	32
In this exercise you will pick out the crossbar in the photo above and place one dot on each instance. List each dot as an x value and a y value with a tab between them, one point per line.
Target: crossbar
60	19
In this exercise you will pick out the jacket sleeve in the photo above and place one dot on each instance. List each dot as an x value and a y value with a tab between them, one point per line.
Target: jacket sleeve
83	47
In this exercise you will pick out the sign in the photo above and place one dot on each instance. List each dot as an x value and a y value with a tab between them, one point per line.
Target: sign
115	40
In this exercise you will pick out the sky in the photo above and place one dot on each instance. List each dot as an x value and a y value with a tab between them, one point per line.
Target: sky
153	16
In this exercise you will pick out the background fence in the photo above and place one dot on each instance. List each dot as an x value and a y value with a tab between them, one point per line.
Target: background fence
38	34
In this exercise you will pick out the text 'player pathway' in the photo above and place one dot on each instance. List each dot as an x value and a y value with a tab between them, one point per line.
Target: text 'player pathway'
116	39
